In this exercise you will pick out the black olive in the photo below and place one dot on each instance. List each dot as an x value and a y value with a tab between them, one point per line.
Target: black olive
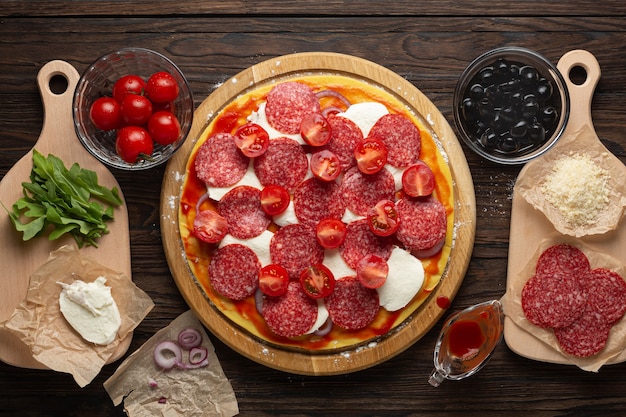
508	115
530	107
536	133
529	73
549	116
488	139
477	92
520	130
486	76
508	144
485	108
544	89
502	67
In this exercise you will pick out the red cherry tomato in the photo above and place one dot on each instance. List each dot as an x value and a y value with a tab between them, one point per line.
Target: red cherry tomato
162	87
274	199
209	226
372	271
273	280
133	143
317	281
164	127
136	110
325	165
315	129
418	180
252	140
128	84
105	113
383	219
330	233
371	155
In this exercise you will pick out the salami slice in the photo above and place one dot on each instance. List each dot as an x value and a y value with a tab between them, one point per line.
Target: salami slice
423	223
241	207
360	192
284	163
295	247
401	137
351	305
606	294
315	200
219	163
345	136
234	271
288	103
553	301
360	241
584	337
292	314
562	258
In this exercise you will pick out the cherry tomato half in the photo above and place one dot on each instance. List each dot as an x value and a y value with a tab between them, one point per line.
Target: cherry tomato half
330	233
252	140
136	110
133	143
273	280
105	113
162	87
209	226
418	180
371	155
128	84
315	129
164	127
383	219
317	281
372	271
325	165
274	199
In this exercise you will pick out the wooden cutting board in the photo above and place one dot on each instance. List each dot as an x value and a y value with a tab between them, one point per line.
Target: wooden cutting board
302	361
20	259
530	226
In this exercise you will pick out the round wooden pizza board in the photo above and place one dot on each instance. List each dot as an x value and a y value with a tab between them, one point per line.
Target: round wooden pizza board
20	259
529	227
300	361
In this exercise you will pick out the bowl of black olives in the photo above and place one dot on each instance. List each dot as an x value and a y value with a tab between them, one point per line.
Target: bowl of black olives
511	105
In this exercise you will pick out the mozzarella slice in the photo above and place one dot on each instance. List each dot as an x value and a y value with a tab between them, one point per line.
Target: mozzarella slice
260	245
365	115
336	264
404	281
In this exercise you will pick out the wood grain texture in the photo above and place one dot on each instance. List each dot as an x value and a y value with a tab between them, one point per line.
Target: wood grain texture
428	43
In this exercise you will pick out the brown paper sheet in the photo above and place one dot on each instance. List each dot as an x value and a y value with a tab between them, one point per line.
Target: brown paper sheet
191	393
38	321
583	142
511	302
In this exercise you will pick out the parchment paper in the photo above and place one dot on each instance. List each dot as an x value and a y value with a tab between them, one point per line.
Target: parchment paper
582	142
38	321
511	302
191	392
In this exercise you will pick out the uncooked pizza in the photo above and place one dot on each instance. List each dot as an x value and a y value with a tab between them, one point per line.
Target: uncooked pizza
317	212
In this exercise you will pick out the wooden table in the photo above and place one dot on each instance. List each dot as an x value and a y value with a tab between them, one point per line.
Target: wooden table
428	42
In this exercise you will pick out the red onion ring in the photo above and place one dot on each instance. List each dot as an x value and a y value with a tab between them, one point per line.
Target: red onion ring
331	110
332	93
198	355
189	338
258	301
204	197
324	328
167	355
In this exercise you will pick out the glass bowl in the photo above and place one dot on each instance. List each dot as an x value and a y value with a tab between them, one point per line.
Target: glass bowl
511	105
98	80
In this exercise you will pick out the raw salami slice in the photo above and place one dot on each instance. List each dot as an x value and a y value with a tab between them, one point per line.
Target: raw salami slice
288	103
606	294
562	258
241	207
553	301
423	223
401	137
584	337
360	241
351	305
284	163
234	271
360	192
315	200
219	163
292	314
345	136
295	247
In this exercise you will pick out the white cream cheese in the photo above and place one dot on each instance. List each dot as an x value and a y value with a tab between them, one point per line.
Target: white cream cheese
91	310
405	279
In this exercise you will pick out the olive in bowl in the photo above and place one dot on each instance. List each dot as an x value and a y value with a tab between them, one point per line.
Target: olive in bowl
511	105
132	109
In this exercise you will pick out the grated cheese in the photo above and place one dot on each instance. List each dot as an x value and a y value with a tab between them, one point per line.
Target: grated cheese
578	188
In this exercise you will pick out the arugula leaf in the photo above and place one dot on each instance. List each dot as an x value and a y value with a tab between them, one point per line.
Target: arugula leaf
63	201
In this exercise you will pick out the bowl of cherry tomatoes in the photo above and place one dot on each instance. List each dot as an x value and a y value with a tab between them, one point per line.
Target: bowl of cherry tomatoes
132	109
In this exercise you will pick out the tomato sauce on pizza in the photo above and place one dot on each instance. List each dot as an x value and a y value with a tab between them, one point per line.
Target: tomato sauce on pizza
421	245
